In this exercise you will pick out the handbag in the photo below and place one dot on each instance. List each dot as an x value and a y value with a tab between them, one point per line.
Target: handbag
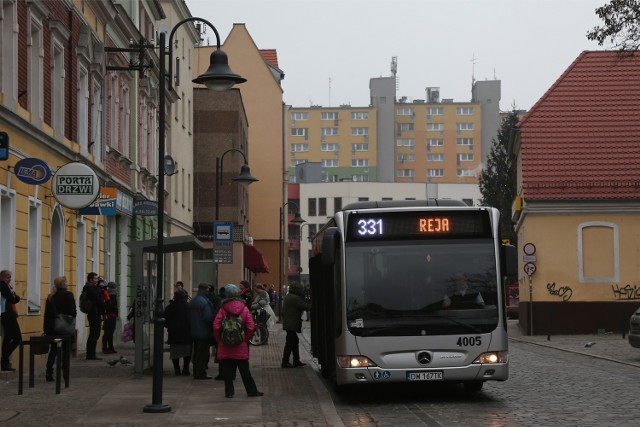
127	332
64	324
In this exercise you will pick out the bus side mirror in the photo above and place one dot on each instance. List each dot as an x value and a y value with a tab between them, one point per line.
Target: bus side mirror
330	242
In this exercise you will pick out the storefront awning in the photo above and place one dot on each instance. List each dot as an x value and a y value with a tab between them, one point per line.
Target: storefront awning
254	260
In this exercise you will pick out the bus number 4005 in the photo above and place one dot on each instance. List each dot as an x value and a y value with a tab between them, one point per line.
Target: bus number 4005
469	341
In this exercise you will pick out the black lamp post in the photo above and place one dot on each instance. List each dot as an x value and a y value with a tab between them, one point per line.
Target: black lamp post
218	77
244	178
297	219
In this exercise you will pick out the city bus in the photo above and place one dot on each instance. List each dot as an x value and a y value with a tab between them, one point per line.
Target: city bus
389	302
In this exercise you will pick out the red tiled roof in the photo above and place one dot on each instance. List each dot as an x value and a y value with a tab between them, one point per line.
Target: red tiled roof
582	138
271	56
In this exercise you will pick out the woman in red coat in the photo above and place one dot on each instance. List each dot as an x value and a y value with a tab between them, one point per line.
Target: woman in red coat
235	355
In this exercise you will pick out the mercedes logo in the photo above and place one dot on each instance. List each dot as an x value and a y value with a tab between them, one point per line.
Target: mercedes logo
424	358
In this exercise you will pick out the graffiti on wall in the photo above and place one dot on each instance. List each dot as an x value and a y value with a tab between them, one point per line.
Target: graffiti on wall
563	292
628	292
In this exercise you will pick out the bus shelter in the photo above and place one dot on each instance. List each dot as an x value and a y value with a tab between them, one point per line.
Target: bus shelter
144	253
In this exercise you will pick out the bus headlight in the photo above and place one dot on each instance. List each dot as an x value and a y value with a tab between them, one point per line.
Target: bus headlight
355	362
493	357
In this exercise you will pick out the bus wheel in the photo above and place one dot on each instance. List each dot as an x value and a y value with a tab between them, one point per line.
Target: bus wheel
473	385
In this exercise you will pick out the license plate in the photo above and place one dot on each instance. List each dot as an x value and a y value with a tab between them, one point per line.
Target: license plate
425	376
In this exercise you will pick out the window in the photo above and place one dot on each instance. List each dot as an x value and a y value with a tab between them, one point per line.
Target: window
337	204
435	126
464	172
322	206
8	228
360	115
329	116
113	108
299	115
311	205
435	157
329	132
330	163
96	122
295	148
34	251
465	157
298	131
9	53
405	127
464	141
404	111
359	131
360	178
464	126
313	229
464	111
83	110
406	173
360	163
36	85
363	199
57	89
362	146
405	142
329	147
433	173
435	142
435	111
406	157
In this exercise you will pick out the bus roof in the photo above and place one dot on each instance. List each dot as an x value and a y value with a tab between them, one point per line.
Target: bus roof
403	203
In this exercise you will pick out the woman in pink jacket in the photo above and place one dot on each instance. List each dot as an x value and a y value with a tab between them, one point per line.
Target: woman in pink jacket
232	356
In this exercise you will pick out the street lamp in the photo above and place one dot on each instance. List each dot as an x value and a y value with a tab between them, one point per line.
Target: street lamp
244	178
297	219
218	77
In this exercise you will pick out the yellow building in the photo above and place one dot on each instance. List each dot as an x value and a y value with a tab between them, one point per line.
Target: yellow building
577	209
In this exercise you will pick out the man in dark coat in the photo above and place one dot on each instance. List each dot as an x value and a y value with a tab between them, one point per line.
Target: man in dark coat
201	322
95	317
9	318
293	307
59	301
179	331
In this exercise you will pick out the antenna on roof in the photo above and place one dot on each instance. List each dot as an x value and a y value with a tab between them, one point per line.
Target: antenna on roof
329	91
473	68
394	70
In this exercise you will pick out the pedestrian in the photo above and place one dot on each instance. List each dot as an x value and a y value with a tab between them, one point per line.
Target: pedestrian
201	324
235	356
94	317
261	305
179	332
245	293
273	297
11	337
292	308
110	317
59	301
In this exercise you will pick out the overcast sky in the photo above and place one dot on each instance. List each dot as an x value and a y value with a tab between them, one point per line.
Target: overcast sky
329	49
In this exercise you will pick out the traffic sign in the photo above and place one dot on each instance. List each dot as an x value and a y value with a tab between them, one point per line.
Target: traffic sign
529	268
529	249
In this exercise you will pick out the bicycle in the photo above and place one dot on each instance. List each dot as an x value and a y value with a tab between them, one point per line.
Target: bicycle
261	333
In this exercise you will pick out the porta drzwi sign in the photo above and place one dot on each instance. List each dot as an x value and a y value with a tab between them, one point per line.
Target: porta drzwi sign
75	185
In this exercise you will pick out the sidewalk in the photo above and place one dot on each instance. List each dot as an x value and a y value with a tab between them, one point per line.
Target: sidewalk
100	395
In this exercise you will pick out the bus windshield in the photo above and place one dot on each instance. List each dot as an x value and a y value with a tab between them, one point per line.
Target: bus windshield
421	287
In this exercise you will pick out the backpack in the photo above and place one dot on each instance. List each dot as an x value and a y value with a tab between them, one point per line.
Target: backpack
232	329
86	306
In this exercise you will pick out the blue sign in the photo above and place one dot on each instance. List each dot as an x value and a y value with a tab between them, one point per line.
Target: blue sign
32	171
145	207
